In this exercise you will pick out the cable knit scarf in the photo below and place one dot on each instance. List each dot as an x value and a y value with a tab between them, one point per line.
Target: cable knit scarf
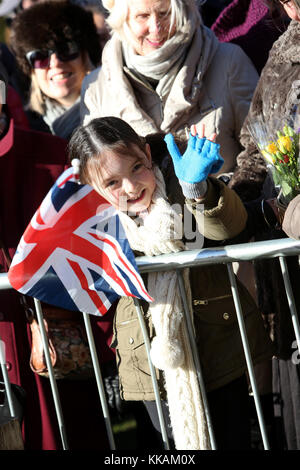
170	349
180	91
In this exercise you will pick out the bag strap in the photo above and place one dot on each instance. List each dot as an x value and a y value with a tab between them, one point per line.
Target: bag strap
23	300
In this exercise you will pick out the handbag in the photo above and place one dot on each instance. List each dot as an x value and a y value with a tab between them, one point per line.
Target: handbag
18	398
10	427
68	345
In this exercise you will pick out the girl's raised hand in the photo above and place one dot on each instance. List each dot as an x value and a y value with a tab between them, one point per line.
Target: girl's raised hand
200	159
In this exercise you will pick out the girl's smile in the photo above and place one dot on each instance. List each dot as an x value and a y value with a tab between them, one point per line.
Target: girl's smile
126	181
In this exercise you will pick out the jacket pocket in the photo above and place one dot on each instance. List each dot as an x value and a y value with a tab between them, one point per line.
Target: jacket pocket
134	370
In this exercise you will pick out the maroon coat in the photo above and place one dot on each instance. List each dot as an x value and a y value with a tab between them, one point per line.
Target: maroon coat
29	165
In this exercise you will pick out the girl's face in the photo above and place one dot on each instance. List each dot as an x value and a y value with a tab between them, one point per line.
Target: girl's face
61	80
149	22
126	181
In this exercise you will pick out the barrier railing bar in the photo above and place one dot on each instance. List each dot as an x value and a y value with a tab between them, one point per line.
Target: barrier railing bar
291	300
153	375
247	353
191	334
52	379
6	381
221	255
99	380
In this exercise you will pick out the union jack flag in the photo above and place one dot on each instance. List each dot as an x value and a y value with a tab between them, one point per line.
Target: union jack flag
74	253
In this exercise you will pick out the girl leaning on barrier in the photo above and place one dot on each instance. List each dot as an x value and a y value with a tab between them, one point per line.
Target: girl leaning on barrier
136	175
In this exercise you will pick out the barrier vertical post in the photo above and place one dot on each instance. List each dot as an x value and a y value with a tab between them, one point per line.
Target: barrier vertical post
52	379
6	380
291	300
247	353
153	376
193	344
99	380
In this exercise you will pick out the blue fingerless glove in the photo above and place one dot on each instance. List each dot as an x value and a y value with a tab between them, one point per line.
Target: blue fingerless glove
200	159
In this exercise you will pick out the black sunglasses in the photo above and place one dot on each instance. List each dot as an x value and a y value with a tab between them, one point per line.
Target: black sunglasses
40	58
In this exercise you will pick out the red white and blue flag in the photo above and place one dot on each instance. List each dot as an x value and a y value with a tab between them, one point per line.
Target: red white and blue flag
74	253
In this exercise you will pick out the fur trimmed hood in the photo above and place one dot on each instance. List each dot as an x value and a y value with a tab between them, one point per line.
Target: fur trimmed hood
286	49
53	22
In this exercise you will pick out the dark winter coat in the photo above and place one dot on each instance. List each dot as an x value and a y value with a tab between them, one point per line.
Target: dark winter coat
277	93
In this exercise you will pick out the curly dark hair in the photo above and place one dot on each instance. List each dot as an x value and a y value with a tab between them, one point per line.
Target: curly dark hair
53	22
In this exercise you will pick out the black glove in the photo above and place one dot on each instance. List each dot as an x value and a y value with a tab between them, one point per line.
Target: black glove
111	384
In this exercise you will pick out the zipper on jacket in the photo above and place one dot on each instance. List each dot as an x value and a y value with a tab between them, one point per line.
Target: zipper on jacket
126	322
206	301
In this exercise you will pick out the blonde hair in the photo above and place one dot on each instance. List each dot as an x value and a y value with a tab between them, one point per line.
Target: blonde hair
118	12
36	100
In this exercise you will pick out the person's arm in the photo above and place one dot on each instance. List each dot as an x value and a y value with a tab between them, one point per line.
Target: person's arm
224	215
291	221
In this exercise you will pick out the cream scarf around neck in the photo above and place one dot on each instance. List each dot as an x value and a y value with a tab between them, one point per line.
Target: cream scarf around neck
170	348
180	88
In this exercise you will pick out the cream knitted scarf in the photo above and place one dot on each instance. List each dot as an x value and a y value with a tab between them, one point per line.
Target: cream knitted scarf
170	349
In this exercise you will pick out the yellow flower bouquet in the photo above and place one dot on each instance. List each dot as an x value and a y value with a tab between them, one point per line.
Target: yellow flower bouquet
280	148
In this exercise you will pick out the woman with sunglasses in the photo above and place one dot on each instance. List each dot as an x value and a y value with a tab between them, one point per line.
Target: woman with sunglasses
277	95
56	45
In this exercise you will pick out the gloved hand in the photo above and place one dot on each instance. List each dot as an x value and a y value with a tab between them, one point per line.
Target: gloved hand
111	385
200	159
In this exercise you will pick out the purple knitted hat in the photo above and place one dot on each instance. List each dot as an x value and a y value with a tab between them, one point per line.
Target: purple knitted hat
238	18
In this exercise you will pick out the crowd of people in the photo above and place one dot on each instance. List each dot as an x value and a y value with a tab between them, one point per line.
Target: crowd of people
154	99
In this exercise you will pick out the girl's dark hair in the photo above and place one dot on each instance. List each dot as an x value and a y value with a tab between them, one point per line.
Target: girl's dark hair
101	134
113	133
49	23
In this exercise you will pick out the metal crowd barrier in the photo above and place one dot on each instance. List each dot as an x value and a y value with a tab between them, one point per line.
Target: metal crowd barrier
177	261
